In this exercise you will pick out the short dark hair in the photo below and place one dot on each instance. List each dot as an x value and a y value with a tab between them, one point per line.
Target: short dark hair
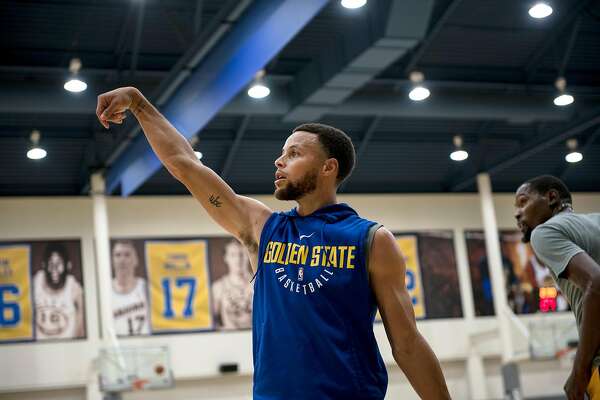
336	143
544	183
56	248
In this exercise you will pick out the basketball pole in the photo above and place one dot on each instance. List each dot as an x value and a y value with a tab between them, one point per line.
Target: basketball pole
494	256
103	271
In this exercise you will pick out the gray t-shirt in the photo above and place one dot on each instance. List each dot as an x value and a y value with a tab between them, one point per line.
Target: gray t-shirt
558	240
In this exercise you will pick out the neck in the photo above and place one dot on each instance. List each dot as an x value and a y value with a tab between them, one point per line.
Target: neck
125	282
309	203
563	207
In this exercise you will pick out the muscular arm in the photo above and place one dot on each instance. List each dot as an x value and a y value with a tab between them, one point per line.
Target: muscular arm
585	273
241	216
411	352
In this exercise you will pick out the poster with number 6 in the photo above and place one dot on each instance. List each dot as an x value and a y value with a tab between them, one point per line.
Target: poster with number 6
178	285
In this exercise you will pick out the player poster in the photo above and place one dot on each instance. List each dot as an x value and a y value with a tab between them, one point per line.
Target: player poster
16	322
231	286
41	291
178	285
129	298
439	274
408	246
58	290
525	276
431	273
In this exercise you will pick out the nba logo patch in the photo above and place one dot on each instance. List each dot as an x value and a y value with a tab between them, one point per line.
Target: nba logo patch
300	274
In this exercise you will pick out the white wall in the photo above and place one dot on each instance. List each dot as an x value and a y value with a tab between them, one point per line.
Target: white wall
61	370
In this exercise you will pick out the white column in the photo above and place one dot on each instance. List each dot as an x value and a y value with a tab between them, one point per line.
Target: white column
102	241
103	275
475	371
492	245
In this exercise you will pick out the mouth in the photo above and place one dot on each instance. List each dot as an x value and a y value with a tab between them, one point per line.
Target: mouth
279	176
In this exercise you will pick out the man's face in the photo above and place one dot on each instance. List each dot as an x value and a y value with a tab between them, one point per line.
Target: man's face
298	166
55	271
124	259
532	209
236	258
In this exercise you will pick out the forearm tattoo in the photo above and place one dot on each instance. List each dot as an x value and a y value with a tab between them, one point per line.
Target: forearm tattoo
214	200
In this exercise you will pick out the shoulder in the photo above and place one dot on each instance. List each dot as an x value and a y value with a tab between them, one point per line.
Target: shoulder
75	287
140	283
384	248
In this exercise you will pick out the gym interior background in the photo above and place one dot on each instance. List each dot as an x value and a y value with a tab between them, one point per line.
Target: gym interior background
418	84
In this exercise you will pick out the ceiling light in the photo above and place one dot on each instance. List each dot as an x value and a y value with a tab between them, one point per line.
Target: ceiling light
573	156
459	154
259	90
562	98
74	84
353	3
198	154
540	10
419	92
36	152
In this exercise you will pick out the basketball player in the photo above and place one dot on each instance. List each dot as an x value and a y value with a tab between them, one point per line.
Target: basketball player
129	298
232	293
569	244
58	297
321	270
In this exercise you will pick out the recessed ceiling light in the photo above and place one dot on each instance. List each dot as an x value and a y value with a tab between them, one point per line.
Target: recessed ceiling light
419	93
563	100
459	155
258	91
540	10
37	153
574	157
352	4
75	85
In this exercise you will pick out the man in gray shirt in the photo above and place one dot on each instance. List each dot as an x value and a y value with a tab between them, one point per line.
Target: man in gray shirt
569	245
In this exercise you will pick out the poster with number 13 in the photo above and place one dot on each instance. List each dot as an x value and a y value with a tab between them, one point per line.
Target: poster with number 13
178	285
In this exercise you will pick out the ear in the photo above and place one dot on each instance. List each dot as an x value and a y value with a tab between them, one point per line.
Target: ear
553	198
331	167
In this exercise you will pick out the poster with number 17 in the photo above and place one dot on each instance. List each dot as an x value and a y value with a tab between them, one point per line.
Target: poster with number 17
178	285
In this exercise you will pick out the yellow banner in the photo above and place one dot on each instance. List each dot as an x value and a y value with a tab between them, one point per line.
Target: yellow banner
178	282
408	246
15	294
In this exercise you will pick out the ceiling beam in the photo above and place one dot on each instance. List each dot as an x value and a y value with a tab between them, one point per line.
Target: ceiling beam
468	103
364	143
259	35
433	33
570	45
533	147
374	41
234	147
198	17
551	38
137	39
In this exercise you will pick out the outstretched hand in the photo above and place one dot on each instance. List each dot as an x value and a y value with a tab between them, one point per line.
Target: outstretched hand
112	106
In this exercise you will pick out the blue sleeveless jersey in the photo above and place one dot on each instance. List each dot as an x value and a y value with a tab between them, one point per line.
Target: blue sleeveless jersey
314	310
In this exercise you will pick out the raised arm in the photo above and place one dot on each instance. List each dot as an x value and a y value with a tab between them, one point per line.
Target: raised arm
241	216
411	352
